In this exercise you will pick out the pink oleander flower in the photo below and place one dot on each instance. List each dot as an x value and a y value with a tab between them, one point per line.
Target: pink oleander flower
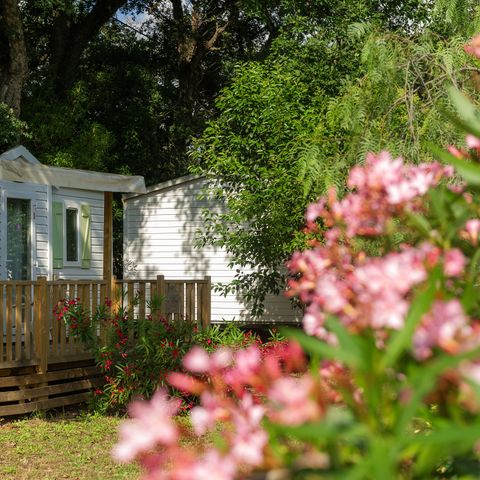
454	263
361	292
212	466
444	326
248	438
294	400
247	365
383	187
472	142
473	47
457	152
151	424
314	322
197	360
204	417
315	210
471	231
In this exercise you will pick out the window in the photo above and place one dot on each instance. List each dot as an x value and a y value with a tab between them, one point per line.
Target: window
71	234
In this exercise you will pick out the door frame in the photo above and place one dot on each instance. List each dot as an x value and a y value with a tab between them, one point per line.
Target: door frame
22	192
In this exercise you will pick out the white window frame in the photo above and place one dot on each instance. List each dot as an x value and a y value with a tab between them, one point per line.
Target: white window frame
72	205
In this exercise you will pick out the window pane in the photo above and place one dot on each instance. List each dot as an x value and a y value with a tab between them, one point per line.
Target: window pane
72	235
18	239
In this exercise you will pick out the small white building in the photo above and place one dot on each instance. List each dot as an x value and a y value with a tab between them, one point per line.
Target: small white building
52	218
160	229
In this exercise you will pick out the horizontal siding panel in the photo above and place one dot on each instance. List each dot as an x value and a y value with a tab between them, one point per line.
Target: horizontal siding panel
160	231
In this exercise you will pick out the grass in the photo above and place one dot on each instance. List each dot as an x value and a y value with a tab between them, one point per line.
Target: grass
74	446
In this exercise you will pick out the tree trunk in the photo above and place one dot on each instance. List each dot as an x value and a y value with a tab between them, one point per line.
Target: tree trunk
72	37
13	55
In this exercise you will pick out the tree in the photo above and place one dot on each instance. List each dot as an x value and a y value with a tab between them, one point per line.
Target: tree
292	126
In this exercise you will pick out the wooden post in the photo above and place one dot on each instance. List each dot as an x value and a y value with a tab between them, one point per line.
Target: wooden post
112	286
108	242
43	324
161	294
206	302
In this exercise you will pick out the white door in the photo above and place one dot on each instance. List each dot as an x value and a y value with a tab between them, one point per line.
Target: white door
19	261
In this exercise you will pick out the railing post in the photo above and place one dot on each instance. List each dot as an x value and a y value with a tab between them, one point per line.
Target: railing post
161	294
207	302
42	324
112	286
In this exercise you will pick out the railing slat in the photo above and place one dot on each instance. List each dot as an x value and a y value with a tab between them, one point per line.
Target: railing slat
62	327
37	327
18	322
190	306
2	323
28	321
53	299
142	299
9	325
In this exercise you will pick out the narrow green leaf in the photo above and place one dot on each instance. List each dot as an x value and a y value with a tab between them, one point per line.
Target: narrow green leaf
469	296
382	463
424	380
470	292
438	202
314	346
465	108
352	343
452	434
462	125
420	222
468	170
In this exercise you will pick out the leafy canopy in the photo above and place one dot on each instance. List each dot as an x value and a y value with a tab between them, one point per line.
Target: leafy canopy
291	126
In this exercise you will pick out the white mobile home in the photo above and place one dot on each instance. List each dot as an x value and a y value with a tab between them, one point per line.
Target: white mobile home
52	218
159	237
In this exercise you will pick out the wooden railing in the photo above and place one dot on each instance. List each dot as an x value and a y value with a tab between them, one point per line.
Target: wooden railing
32	335
174	299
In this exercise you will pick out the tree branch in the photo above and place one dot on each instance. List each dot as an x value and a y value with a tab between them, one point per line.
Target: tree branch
13	63
74	37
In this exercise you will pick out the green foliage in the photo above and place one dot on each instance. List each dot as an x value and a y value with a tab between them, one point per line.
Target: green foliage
396	103
228	335
266	118
292	126
11	128
135	355
63	135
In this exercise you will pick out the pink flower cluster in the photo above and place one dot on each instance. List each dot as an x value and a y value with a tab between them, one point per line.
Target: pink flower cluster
446	326
384	187
335	278
237	390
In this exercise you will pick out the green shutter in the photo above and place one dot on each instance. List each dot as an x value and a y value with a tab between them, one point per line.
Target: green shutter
57	240
86	235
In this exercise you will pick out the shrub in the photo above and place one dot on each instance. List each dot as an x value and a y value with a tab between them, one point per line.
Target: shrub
135	355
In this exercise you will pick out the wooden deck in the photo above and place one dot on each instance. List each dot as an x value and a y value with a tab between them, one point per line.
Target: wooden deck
42	365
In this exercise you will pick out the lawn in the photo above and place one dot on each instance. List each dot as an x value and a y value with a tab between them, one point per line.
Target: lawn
72	446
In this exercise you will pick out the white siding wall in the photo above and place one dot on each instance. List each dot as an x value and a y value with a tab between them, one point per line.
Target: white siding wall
95	200
159	234
38	194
